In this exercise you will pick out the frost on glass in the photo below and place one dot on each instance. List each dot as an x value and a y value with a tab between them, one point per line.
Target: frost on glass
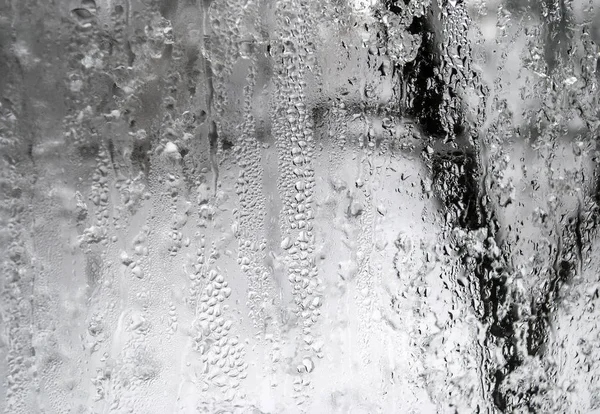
295	206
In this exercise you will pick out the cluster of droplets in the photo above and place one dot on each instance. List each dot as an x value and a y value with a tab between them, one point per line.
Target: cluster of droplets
402	45
249	227
552	67
20	374
232	25
198	272
221	354
99	197
133	192
293	129
459	77
140	251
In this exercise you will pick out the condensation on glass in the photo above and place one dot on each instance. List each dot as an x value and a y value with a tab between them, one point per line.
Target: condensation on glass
295	206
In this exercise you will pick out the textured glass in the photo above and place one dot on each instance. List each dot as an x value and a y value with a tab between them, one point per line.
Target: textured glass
299	206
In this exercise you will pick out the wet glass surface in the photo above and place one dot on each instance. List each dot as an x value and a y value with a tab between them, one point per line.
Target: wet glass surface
294	206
